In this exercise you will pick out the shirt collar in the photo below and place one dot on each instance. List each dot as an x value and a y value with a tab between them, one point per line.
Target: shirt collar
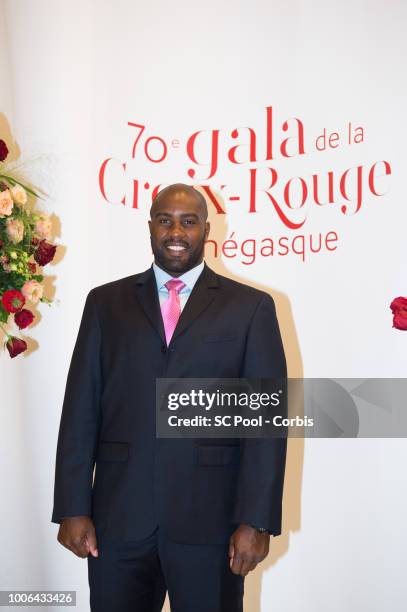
189	278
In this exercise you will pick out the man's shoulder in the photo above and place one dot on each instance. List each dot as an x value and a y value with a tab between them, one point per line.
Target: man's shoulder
241	289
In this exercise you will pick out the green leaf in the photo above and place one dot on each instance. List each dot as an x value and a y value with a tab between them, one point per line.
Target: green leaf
14	181
4	315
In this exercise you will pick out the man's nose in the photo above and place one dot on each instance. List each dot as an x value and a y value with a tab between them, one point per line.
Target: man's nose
177	231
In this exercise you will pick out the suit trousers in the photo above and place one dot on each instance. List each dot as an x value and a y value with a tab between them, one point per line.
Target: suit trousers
134	576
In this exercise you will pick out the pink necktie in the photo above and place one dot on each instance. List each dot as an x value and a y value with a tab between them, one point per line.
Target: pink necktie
171	308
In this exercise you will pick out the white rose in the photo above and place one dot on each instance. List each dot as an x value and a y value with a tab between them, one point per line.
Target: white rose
19	194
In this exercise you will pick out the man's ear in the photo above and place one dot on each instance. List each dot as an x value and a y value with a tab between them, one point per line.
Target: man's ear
207	229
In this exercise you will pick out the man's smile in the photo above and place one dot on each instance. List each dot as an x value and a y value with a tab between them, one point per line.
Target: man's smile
176	248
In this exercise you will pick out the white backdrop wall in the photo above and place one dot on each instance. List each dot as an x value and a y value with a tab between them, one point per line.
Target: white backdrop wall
74	75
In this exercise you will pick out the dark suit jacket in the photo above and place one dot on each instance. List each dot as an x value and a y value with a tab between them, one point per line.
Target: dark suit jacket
196	490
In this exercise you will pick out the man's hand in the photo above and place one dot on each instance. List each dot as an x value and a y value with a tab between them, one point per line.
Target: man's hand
77	533
247	548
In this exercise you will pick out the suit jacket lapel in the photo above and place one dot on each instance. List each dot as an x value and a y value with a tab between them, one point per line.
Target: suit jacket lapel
201	296
147	295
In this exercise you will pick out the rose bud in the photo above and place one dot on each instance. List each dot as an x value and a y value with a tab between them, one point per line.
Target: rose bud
3	150
34	241
44	253
32	267
23	318
15	346
13	300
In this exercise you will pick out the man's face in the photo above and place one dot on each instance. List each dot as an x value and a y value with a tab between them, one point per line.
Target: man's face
178	231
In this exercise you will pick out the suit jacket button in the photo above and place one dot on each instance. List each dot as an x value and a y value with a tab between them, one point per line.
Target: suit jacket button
163	348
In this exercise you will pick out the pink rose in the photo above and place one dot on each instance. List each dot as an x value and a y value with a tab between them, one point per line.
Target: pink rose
15	230
32	290
43	227
6	203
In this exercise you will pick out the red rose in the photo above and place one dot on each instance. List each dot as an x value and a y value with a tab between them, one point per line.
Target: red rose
15	346
13	300
24	318
399	310
34	241
32	267
3	150
44	253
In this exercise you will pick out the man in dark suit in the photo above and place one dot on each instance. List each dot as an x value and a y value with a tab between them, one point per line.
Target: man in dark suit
187	516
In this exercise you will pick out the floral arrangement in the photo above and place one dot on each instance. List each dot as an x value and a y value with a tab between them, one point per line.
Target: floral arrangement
399	310
23	251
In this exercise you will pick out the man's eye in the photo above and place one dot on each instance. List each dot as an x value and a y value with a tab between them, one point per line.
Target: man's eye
189	221
164	221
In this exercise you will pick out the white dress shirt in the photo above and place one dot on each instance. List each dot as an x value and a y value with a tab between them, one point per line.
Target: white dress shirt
189	278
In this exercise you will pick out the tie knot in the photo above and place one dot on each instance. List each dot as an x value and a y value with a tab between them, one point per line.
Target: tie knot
175	285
